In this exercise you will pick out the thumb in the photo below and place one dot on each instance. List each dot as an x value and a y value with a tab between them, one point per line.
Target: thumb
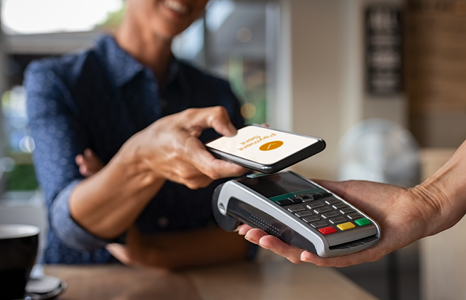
211	117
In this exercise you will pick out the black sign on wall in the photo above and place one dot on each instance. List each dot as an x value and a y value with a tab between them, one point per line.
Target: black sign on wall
383	50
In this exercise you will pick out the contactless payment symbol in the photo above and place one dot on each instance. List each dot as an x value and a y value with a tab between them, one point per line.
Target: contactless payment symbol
271	145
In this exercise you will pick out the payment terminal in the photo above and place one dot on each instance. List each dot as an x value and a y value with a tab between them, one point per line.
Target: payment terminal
295	210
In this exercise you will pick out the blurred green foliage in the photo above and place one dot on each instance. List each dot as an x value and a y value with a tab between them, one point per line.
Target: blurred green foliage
113	19
22	178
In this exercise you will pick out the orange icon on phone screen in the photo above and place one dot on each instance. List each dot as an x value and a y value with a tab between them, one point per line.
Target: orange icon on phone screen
271	145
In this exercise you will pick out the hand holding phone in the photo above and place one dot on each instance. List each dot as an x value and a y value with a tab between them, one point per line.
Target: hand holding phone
265	150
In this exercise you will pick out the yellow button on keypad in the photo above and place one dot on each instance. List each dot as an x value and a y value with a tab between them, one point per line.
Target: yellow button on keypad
345	226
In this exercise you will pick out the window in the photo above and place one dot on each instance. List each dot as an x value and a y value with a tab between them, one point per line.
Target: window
52	16
234	40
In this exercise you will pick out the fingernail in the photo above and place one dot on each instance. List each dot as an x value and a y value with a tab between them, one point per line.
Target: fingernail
302	257
247	237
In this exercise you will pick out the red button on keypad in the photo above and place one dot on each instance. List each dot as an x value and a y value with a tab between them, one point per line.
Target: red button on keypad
327	230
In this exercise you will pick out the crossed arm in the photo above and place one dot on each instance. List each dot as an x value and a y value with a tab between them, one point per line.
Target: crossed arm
110	199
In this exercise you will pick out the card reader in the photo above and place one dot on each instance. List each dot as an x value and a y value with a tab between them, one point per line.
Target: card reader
297	211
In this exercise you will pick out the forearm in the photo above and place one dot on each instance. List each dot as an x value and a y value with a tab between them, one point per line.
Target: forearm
445	192
107	203
186	249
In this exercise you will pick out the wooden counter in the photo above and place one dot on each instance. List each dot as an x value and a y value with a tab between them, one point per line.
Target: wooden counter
266	280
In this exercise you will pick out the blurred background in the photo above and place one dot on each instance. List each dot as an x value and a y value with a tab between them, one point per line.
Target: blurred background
382	81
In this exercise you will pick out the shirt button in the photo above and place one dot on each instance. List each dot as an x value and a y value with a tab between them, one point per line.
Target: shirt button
163	103
162	221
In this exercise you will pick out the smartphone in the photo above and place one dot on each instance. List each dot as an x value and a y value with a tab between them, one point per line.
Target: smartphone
264	149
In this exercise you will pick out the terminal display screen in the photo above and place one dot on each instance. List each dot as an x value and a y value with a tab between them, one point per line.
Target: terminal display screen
277	184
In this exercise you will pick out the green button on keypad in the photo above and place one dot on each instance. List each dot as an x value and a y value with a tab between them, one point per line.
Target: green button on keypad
362	222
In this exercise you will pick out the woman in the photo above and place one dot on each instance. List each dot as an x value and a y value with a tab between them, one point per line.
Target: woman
133	117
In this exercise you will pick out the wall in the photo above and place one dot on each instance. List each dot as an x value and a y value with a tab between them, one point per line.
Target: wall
320	76
436	49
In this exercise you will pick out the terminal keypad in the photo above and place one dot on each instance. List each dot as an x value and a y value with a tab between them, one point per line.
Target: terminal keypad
339	205
316	204
330	214
303	214
324	212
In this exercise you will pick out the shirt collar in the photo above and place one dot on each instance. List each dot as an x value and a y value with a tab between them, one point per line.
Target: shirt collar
122	67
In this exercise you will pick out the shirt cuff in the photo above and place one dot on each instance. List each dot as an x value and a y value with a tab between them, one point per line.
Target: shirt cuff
67	230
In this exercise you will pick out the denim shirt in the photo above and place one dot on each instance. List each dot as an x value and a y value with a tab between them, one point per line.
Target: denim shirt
98	99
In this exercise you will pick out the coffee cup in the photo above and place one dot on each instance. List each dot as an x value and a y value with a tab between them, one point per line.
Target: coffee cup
18	251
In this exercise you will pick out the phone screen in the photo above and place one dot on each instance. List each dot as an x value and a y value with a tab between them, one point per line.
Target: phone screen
263	145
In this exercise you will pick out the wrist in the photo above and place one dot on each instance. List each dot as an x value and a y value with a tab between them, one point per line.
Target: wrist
134	162
440	212
446	188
